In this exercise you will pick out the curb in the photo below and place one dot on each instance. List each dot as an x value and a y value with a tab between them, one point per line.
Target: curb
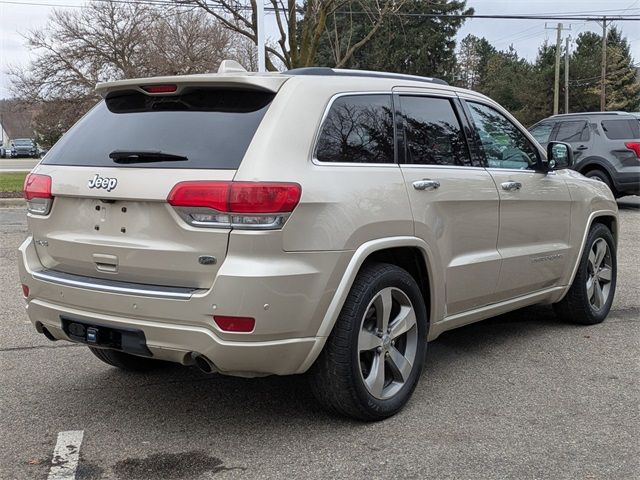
12	202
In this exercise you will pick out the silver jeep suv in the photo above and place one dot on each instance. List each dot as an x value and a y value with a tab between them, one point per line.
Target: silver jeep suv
318	220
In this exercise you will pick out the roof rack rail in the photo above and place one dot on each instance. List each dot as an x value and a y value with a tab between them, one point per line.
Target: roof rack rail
576	114
326	71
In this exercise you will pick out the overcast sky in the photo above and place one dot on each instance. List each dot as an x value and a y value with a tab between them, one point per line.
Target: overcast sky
18	16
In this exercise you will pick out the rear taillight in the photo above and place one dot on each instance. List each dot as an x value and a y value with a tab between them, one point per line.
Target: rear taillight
635	146
25	291
37	192
247	205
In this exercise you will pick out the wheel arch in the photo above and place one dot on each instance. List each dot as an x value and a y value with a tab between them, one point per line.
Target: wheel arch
609	218
411	253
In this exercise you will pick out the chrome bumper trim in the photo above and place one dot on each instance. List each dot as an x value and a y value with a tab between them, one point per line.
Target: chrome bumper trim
114	286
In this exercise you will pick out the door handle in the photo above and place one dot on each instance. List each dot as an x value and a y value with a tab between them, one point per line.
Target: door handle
511	185
426	184
582	147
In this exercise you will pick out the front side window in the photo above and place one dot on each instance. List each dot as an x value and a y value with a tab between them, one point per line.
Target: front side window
504	145
573	131
542	132
433	133
358	129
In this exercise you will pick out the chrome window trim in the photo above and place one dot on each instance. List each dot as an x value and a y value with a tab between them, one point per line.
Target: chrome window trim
316	138
113	286
440	167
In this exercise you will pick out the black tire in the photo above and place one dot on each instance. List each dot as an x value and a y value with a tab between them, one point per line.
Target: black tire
336	378
126	361
604	178
576	306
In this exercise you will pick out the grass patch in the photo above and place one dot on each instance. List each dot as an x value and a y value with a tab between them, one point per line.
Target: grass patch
11	182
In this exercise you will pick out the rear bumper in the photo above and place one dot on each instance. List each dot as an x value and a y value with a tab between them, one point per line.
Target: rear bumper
178	343
627	181
287	296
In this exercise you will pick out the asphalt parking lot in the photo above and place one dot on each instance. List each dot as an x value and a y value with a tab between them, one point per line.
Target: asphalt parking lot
519	396
18	164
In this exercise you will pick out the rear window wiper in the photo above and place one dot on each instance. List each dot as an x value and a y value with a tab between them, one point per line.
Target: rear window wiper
144	156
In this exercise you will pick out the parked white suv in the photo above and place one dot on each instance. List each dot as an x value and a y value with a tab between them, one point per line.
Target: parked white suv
318	220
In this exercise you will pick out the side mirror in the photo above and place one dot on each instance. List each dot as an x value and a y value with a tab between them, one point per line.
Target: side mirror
559	156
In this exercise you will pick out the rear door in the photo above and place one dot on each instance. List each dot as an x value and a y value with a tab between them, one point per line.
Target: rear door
453	199
111	175
535	206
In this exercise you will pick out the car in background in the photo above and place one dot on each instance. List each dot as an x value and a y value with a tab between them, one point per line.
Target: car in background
24	147
606	146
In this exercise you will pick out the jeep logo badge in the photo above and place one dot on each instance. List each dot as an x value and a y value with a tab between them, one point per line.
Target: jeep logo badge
102	182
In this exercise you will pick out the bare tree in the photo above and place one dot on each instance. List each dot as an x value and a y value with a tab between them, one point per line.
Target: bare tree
111	40
301	26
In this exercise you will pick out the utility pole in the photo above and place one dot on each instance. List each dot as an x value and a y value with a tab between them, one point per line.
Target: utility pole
556	85
260	35
603	74
566	76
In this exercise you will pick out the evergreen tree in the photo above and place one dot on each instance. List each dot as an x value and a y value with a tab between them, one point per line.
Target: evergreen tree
406	43
473	58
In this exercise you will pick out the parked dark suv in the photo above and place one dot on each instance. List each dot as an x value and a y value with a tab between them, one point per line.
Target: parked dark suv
24	147
606	146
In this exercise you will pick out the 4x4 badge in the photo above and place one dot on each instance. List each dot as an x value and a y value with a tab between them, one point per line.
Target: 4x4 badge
103	182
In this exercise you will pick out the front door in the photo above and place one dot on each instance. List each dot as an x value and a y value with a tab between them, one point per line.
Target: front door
576	133
453	199
535	206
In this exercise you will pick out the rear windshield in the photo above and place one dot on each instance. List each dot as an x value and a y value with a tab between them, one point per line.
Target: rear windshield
621	129
212	128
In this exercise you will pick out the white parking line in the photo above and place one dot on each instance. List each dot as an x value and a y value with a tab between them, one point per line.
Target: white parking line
66	455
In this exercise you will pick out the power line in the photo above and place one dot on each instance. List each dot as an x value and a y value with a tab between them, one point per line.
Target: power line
632	18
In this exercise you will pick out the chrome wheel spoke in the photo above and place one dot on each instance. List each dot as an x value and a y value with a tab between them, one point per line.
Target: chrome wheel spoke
605	274
404	322
368	340
600	251
592	260
399	364
590	287
598	297
383	304
375	379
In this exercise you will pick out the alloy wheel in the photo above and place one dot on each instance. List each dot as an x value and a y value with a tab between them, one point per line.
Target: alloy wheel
387	343
599	274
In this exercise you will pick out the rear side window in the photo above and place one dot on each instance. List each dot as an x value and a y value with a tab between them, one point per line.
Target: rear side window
573	131
433	133
621	129
212	128
358	129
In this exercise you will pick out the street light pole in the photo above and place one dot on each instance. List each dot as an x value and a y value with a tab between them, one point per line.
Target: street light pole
260	35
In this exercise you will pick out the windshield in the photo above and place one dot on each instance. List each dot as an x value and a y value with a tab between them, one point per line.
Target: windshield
208	128
23	142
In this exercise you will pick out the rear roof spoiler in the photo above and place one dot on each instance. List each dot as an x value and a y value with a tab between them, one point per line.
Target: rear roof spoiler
270	82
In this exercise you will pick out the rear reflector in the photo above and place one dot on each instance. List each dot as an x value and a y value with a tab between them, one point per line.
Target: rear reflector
160	88
37	192
635	146
235	324
25	290
251	205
